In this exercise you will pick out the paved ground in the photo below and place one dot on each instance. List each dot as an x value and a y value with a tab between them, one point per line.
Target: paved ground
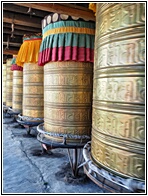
23	172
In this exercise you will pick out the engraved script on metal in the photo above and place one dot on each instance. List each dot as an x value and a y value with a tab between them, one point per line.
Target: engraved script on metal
68	98
118	116
17	91
33	90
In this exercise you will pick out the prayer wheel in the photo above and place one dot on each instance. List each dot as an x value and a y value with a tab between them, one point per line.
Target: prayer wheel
67	99
118	122
33	91
9	81
17	91
17	86
67	53
4	83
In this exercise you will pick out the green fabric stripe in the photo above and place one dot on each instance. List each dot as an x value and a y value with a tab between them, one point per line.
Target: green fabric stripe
13	61
31	37
58	24
68	39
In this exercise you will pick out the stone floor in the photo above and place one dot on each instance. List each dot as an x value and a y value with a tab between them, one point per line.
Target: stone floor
24	171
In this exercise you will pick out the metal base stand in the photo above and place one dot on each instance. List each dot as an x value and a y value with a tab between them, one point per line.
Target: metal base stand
28	122
13	114
5	109
74	150
108	180
75	160
9	113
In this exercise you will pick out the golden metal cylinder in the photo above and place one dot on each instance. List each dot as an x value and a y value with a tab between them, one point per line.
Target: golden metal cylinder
67	99
9	83
118	124
33	90
17	91
4	83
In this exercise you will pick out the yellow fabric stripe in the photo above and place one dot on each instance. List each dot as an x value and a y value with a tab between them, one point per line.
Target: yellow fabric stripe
69	30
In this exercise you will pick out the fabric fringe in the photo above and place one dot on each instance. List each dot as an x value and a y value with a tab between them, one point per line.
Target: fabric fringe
66	54
66	47
29	51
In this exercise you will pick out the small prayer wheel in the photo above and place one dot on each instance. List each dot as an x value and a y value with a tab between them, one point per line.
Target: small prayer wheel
33	90
9	81
33	93
4	83
17	86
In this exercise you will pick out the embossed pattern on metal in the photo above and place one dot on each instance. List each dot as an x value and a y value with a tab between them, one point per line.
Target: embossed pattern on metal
9	83
33	90
118	117
68	98
17	91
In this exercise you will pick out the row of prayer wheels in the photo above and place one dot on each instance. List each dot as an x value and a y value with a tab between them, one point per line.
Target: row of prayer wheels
62	91
9	77
4	83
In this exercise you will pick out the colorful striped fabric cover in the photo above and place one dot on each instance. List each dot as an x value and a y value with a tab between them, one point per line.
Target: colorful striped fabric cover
67	41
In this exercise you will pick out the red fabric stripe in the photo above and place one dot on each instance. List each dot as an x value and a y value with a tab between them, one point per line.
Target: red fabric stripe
60	53
54	54
66	54
16	67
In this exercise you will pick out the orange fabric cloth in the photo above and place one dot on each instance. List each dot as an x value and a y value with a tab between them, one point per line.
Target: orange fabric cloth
28	52
92	6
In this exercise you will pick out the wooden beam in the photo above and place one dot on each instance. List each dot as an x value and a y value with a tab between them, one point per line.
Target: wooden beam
8	31
21	19
19	27
10	52
17	32
23	10
12	44
62	9
17	38
78	6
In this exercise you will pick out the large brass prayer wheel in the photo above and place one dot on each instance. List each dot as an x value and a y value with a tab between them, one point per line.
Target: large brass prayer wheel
33	91
4	83
118	125
67	99
9	83
17	91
